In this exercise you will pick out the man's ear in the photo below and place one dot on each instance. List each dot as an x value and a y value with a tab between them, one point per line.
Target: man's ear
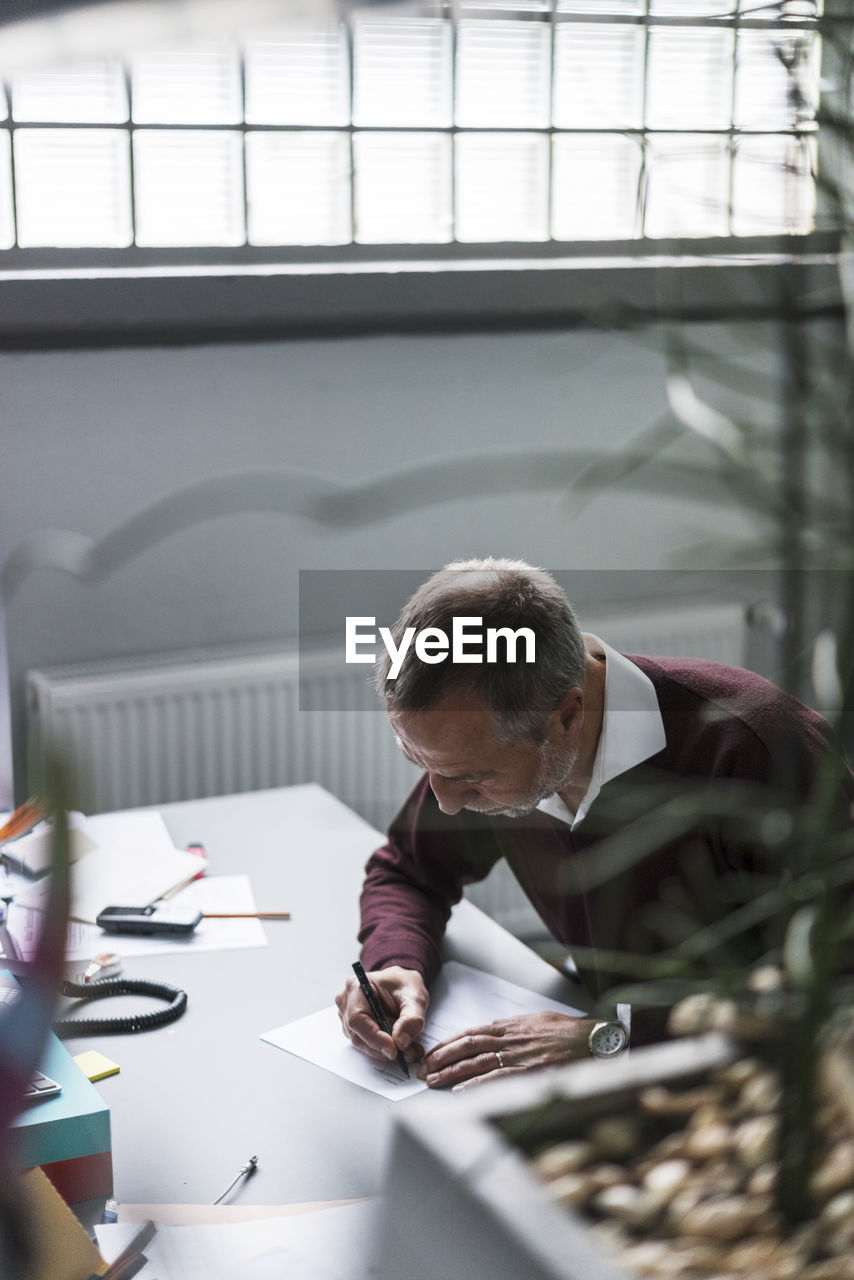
568	715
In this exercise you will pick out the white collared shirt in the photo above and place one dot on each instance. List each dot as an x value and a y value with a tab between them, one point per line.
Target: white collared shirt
632	731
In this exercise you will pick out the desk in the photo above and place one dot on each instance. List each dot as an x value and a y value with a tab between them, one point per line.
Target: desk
195	1099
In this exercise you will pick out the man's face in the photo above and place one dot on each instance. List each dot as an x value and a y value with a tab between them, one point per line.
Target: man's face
471	767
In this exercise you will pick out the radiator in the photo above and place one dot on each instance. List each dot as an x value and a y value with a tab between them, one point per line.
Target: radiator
181	726
176	727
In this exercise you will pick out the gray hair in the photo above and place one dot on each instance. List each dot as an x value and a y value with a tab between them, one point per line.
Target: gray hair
504	593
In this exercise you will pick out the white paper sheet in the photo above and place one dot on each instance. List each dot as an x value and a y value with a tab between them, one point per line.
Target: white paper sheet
133	863
211	893
461	997
331	1244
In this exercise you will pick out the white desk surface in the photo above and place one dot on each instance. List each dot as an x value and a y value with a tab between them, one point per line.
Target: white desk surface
195	1099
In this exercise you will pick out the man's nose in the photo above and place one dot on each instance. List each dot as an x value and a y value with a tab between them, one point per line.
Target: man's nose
450	796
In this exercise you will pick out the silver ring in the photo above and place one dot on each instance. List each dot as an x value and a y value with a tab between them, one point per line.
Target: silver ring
497	1053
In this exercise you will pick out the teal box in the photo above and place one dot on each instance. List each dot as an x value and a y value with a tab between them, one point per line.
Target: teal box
74	1123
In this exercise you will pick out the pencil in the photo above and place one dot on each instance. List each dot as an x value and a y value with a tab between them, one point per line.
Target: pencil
246	915
22	820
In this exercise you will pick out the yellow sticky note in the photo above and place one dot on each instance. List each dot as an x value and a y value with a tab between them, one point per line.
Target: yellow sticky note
95	1065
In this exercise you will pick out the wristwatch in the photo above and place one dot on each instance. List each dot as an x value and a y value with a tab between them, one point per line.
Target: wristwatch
607	1039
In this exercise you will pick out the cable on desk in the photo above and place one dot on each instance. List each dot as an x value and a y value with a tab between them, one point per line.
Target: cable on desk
121	987
248	1167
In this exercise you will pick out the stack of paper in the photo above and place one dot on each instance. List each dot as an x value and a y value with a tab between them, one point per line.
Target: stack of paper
124	859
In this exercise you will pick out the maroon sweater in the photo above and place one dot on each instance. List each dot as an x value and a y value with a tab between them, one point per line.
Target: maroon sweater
721	723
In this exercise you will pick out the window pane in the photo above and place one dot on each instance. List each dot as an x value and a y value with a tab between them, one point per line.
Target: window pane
298	188
403	188
690	79
91	93
793	9
186	86
598	76
688	186
693	8
597	7
764	88
298	76
773	189
7	220
503	73
502	186
402	72
595	187
72	187
529	6
188	187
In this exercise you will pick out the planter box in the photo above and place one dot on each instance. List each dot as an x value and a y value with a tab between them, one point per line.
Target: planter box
461	1199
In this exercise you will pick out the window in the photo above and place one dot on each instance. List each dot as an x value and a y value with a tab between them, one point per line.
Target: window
504	121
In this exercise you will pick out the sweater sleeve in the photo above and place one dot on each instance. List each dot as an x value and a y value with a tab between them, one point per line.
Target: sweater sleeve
414	880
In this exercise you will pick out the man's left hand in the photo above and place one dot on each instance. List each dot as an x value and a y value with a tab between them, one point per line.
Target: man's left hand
505	1048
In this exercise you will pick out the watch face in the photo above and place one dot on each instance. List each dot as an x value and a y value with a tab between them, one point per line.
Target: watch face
608	1039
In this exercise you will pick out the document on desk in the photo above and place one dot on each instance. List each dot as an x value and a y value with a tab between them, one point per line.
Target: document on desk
461	997
212	893
133	861
330	1244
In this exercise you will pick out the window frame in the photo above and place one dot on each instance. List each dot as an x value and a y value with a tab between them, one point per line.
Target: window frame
548	13
72	298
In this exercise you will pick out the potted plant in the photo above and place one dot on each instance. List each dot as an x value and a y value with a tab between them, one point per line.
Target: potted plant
730	1152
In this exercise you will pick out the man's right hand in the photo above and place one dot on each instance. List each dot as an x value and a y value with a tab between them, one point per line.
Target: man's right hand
404	997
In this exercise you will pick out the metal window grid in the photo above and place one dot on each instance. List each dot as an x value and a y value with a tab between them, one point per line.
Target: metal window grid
782	16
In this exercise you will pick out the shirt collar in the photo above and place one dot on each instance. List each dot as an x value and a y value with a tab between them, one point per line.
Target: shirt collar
632	731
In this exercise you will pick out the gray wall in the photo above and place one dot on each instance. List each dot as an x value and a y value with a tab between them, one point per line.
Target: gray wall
92	437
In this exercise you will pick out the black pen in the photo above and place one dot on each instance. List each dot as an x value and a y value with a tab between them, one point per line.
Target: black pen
377	1010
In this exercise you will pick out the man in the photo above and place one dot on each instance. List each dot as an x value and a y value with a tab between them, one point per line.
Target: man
537	762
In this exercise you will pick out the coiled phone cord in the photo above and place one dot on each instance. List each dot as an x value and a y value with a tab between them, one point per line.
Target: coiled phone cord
131	1022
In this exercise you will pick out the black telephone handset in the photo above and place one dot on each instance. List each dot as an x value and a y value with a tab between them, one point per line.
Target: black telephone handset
162	918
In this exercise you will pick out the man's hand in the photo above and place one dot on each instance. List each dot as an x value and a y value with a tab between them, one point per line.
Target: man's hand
531	1040
403	996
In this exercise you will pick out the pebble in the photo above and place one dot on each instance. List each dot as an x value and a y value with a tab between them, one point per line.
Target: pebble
755	1140
679	1262
722	1177
763	1180
564	1157
682	1203
752	1258
646	1256
830	1269
835	1173
759	1094
572	1190
636	1207
765	979
839	1211
601	1176
724	1218
709	1141
671	1147
667	1176
692	1015
614	1136
736	1074
753	1255
658	1101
